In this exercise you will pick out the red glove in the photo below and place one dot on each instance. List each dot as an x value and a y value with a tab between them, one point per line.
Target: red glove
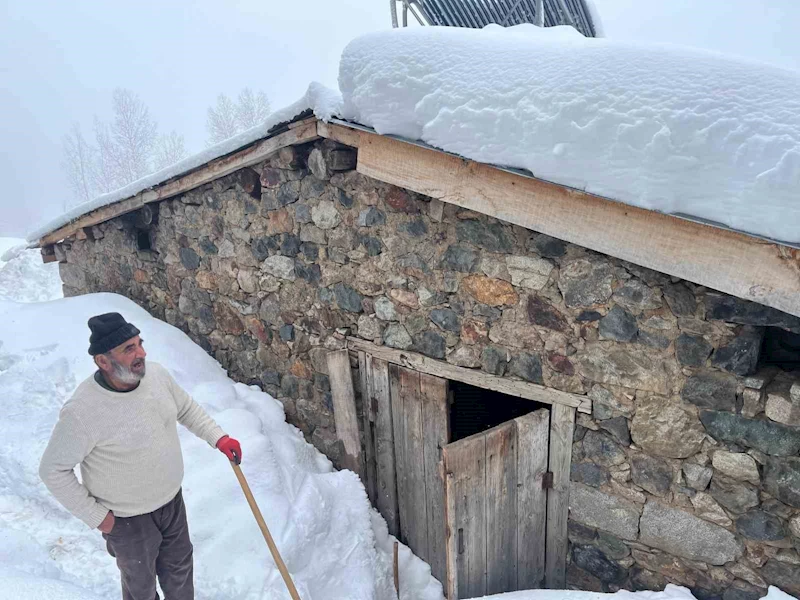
230	448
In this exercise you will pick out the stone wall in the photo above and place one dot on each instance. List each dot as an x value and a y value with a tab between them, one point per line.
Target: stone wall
687	471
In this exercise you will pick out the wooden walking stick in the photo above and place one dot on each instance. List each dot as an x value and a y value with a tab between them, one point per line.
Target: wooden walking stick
396	570
276	556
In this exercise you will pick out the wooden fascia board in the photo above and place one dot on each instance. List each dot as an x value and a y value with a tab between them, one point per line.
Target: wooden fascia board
727	261
304	131
439	368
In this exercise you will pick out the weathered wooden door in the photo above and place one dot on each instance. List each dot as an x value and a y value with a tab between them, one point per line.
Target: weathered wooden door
406	426
476	510
420	420
496	508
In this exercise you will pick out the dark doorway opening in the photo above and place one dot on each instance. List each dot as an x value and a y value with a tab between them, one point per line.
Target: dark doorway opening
780	348
143	240
474	409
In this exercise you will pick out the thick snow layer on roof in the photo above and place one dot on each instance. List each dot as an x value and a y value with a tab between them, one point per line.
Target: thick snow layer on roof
323	101
672	129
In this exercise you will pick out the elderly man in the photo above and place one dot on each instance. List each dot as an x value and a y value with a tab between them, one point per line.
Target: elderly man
120	426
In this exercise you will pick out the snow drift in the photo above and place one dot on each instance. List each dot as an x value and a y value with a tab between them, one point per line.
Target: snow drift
334	544
671	129
23	276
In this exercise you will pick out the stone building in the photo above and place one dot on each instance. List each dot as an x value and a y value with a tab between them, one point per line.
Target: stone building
658	354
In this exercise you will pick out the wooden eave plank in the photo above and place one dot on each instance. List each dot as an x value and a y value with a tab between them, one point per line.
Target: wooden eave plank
504	385
305	132
727	261
339	133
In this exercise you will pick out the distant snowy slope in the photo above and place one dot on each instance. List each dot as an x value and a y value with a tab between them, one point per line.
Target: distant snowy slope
667	128
23	276
7	245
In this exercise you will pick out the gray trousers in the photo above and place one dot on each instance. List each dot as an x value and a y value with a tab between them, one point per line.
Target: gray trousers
154	545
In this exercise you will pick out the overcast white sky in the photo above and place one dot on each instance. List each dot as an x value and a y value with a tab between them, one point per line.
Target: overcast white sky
59	62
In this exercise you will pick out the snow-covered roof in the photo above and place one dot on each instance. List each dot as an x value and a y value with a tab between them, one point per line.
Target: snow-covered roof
667	128
670	129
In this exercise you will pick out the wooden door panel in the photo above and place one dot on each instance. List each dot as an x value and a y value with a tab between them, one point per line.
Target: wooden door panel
476	509
532	444
465	464
369	410
383	441
399	429
501	509
415	528
435	419
562	423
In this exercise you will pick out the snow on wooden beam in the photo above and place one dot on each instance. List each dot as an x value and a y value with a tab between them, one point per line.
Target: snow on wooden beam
302	132
727	261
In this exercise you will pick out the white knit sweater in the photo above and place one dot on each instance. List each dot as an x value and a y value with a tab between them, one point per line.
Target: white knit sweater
126	444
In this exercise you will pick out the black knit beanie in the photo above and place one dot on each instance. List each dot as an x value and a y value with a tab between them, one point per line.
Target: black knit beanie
109	331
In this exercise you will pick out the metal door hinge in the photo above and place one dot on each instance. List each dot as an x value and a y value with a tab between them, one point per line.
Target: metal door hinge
547	480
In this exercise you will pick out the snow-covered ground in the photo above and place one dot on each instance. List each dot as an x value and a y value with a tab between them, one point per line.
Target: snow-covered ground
672	129
671	592
333	543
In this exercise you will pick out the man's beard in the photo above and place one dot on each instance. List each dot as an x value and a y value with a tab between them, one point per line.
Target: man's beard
128	375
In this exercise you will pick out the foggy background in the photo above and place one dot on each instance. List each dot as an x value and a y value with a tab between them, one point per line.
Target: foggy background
60	62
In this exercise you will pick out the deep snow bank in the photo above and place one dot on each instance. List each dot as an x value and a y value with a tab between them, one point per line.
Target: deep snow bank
23	275
7	244
333	543
667	128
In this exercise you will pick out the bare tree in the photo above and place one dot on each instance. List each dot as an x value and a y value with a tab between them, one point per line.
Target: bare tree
79	164
106	173
227	118
133	133
125	145
221	120
126	149
251	109
169	150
